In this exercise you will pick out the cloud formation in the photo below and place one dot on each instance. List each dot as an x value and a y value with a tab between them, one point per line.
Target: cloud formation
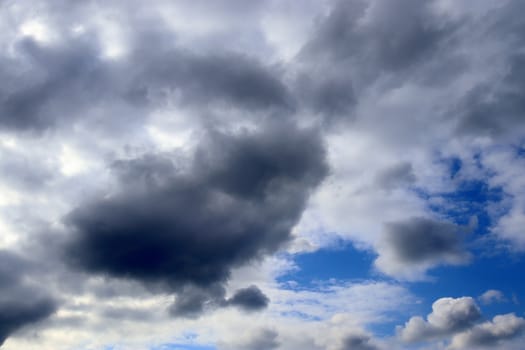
21	303
249	299
448	316
459	320
357	342
490	334
417	242
164	147
237	201
492	296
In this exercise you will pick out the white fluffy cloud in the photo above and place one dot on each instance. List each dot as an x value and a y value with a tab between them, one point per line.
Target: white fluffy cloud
459	323
448	316
495	333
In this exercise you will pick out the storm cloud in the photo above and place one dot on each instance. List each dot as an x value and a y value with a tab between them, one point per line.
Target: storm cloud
237	201
21	303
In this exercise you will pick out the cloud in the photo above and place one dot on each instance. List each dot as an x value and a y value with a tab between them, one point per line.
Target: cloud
458	322
219	122
237	202
490	334
417	244
70	82
263	339
495	109
357	342
448	316
192	301
21	303
331	96
358	43
396	175
492	296
249	299
380	35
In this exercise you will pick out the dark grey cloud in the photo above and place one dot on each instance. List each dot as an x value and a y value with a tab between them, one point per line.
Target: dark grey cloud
21	303
495	107
359	42
192	301
50	86
357	342
249	299
383	35
235	79
184	228
449	316
422	240
497	110
330	96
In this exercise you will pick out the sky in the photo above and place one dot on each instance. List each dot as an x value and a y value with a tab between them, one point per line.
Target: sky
259	175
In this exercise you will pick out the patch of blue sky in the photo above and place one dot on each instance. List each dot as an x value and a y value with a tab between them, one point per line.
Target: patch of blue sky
190	342
336	262
469	199
487	272
491	267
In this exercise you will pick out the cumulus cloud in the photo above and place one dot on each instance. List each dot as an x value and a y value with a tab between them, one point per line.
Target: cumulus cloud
448	316
490	334
458	321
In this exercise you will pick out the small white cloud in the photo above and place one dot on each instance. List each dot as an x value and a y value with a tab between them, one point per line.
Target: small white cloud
492	296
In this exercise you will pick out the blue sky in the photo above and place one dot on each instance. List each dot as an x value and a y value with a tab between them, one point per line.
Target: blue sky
259	175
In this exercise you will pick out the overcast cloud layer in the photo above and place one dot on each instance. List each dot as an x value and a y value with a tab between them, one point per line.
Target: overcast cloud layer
165	167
